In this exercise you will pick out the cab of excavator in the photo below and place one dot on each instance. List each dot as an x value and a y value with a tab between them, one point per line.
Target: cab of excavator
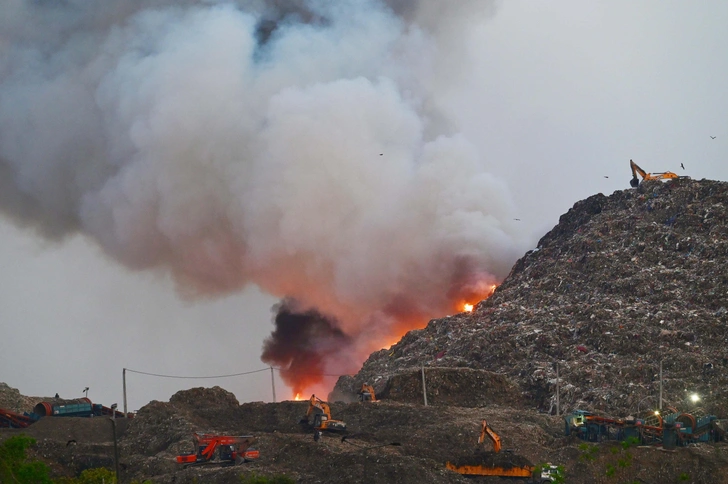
227	452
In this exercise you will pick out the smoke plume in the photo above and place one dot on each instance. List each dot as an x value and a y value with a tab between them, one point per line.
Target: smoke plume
296	145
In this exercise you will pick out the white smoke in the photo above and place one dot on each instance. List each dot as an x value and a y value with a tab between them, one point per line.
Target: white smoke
300	148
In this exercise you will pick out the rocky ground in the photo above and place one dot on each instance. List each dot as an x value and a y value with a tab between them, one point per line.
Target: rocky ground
620	284
386	442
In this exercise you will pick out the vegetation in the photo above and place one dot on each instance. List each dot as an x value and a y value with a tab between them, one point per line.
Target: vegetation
16	468
254	478
98	475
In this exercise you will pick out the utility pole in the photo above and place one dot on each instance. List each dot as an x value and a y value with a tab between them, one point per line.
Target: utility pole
660	385
424	387
273	384
558	393
116	450
123	378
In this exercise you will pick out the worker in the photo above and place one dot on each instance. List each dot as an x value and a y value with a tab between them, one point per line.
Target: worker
56	396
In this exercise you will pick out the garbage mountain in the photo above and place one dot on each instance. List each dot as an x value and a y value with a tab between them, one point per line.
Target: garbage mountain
622	285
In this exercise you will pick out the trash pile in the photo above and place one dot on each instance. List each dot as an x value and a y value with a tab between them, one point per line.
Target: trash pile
621	284
11	399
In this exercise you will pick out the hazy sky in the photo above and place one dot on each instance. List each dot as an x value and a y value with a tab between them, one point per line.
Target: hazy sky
553	96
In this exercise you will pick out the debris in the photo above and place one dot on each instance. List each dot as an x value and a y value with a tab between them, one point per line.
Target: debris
614	281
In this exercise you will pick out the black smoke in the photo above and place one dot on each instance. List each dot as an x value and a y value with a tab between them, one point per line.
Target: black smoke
300	344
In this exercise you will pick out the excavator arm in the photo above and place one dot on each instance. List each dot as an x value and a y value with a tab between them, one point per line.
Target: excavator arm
494	438
634	182
318	406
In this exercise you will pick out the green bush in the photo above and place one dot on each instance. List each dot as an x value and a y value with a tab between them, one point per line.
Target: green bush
15	468
99	475
254	478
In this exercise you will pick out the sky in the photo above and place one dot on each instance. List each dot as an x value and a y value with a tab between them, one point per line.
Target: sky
492	120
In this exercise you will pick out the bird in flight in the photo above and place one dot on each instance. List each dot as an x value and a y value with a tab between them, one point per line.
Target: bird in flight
605	176
682	166
712	137
517	219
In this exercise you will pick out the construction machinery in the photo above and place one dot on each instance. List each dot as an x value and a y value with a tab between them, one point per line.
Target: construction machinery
366	394
495	462
671	428
636	170
322	421
212	449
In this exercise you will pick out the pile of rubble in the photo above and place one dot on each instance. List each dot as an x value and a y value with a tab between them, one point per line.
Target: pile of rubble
387	441
11	399
621	284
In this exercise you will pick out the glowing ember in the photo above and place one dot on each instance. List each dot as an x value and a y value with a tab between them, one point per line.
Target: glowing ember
297	397
468	307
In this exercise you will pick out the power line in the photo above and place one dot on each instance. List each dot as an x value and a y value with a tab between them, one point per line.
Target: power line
289	371
199	377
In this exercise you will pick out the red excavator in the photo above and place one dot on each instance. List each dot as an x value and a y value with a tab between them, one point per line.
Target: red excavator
634	182
220	450
321	418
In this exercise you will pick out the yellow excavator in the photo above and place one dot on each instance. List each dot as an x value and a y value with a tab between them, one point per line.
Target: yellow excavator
636	170
493	463
366	394
322	420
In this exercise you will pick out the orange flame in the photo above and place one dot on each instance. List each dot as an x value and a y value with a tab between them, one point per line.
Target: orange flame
297	397
468	307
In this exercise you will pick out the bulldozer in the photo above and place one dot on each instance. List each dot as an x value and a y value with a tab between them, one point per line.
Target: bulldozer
221	450
366	394
322	420
636	170
495	462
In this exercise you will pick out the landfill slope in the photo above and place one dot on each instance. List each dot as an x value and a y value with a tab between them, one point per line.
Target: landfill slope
621	283
407	443
12	400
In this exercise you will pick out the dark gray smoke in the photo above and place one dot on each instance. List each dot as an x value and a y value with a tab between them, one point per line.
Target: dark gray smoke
296	145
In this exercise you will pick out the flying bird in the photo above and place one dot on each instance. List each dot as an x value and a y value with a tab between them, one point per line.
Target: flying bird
605	176
517	219
712	137
682	166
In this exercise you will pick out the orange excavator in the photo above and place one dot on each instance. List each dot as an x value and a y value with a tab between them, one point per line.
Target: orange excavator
366	394
634	182
220	450
322	420
493	463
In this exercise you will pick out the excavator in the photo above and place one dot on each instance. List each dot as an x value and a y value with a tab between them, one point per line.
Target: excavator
497	463
366	394
220	450
322	420
635	182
